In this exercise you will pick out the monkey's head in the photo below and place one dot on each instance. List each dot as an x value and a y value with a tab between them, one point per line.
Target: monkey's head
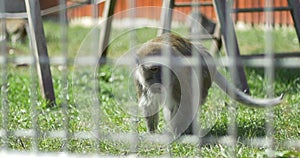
150	67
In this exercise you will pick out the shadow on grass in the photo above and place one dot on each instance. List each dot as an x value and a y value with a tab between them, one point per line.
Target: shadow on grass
286	80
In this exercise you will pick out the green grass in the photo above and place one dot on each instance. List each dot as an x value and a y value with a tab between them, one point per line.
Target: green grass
115	109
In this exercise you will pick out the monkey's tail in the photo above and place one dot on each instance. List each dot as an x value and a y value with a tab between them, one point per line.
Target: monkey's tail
241	97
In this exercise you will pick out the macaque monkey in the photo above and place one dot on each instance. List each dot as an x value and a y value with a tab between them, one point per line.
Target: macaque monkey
184	94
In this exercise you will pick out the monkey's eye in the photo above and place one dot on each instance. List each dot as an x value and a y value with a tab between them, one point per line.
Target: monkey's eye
154	69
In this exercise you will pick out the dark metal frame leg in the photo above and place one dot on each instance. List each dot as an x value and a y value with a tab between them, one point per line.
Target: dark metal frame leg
106	29
231	45
166	16
295	12
38	42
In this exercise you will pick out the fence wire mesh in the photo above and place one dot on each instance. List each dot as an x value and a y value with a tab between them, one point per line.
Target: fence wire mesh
97	112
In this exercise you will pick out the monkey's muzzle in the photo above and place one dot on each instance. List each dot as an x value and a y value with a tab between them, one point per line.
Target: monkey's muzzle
156	88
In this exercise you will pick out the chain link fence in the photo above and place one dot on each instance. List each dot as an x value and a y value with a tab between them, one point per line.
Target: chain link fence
96	111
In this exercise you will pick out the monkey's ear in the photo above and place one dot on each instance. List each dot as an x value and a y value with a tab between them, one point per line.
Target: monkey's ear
137	61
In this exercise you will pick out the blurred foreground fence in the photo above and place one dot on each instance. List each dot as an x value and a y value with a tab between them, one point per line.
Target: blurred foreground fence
81	123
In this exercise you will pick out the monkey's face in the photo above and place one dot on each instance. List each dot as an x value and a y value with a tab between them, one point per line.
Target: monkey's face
151	77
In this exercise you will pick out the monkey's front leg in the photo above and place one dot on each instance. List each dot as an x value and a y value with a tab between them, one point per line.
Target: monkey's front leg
152	122
149	105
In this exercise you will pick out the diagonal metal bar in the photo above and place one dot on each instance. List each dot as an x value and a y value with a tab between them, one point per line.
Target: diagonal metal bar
38	42
231	45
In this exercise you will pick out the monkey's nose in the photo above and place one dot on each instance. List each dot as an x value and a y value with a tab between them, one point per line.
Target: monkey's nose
156	88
